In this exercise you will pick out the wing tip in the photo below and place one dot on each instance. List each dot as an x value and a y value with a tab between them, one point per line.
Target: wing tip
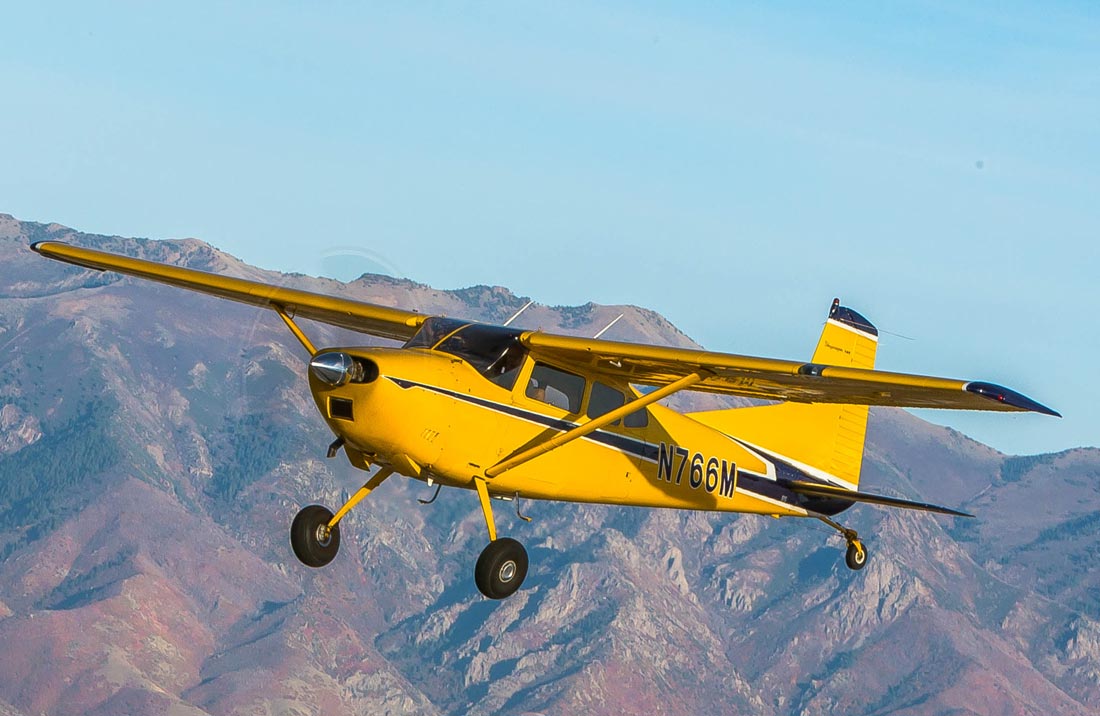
61	251
1009	397
50	249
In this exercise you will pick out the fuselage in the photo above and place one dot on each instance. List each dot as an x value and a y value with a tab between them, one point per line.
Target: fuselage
431	414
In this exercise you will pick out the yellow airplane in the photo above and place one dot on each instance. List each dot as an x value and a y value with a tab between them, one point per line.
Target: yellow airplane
516	414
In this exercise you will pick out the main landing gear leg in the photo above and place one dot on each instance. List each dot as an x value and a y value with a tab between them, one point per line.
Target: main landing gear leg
315	532
856	556
502	565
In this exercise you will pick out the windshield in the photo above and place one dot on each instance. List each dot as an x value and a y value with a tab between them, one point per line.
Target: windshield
495	352
433	330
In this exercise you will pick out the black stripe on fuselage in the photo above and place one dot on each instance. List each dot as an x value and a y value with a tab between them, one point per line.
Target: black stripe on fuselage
749	482
786	472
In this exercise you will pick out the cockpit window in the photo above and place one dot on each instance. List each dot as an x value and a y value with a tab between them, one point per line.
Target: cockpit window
493	351
505	369
433	330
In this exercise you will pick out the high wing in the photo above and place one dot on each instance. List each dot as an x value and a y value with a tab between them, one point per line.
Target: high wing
355	315
726	373
772	379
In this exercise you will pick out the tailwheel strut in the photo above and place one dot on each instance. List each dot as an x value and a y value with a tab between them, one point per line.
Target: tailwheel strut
315	532
856	555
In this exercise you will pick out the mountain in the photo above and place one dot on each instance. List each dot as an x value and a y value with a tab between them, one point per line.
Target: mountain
155	445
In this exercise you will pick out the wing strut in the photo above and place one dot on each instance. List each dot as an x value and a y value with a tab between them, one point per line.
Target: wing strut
295	330
595	424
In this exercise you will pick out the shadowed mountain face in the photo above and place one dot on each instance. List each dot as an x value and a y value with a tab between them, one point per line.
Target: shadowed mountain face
155	445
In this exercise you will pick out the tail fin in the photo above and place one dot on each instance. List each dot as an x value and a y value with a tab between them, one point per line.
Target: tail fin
827	438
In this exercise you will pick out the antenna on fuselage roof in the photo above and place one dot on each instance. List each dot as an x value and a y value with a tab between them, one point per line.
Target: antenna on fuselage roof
516	314
609	325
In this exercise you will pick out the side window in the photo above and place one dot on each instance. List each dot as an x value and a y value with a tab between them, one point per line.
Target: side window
556	387
637	419
604	399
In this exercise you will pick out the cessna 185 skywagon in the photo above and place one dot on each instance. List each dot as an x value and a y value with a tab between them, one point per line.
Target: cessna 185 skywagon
515	414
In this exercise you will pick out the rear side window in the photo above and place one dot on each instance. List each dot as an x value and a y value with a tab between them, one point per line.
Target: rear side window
637	419
556	387
603	400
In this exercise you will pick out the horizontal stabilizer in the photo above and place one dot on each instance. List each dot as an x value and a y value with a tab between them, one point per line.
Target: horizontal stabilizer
816	489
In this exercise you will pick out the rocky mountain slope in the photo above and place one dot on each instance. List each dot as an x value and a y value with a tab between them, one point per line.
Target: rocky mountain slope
155	444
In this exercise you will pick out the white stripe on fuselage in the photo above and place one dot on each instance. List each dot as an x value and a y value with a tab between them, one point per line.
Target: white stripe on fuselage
762	453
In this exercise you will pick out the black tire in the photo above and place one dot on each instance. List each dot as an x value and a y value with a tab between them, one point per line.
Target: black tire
308	536
501	568
856	556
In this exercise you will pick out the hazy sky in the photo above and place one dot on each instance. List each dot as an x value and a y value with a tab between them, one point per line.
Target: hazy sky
732	165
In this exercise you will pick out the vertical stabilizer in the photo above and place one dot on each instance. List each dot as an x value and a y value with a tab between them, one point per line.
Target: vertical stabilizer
825	437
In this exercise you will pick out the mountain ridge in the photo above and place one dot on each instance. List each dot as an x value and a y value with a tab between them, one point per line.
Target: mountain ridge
163	581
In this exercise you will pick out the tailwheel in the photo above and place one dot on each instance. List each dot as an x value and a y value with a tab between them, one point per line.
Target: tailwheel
501	568
856	556
313	541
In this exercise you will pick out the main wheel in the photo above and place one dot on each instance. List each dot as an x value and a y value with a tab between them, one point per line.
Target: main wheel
314	543
501	568
856	556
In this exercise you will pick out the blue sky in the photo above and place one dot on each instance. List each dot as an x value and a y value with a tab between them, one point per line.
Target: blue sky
731	165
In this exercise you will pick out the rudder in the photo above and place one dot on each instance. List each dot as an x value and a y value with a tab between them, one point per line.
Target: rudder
825	437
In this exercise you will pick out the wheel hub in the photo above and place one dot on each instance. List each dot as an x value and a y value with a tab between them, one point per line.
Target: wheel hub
860	554
507	571
324	535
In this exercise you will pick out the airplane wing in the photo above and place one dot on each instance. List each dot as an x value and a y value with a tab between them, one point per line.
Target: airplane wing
773	379
731	374
355	315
